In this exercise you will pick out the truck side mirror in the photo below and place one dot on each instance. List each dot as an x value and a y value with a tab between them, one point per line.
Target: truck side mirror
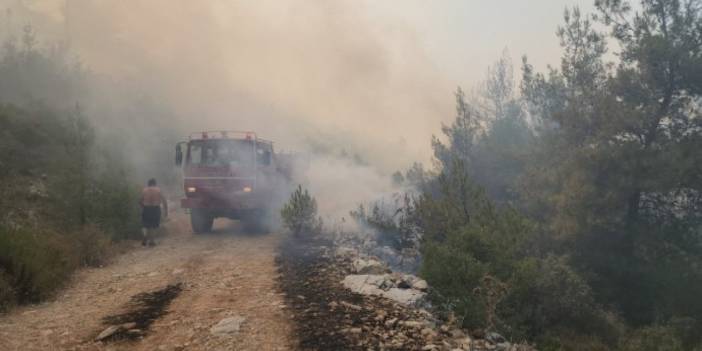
179	156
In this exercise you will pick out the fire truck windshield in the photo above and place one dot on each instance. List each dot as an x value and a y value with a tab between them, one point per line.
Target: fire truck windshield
221	152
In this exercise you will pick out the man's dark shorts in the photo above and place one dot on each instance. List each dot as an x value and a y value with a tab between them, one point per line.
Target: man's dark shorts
151	217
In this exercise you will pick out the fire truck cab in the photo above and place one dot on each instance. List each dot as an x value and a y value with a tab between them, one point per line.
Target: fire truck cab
228	174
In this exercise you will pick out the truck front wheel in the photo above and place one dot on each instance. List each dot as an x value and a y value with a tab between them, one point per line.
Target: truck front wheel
201	221
255	222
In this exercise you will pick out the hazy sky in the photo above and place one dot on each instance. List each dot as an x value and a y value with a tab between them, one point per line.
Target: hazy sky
376	76
463	37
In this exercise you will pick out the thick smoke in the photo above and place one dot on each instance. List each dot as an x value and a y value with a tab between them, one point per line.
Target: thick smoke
292	70
314	76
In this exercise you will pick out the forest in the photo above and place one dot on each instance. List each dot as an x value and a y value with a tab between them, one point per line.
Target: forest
69	187
566	210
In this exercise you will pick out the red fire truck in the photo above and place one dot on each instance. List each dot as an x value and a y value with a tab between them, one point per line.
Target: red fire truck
229	174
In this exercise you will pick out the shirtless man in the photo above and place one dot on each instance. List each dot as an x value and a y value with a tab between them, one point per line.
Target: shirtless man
151	201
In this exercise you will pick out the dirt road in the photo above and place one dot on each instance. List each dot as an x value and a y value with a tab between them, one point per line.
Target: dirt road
224	274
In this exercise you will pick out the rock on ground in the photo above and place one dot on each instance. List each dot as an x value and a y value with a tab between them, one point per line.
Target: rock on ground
404	296
369	266
228	326
382	285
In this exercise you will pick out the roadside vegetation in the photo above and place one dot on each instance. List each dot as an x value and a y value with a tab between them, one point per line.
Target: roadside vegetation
61	208
68	190
566	211
300	215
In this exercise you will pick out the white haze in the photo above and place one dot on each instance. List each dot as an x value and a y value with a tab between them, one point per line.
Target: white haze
317	75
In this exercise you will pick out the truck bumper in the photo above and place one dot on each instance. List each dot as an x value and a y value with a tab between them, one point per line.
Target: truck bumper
245	202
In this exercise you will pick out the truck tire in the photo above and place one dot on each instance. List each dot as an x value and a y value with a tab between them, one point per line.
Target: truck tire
255	222
201	221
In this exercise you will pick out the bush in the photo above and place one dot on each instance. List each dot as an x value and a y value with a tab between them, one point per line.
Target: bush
56	171
392	224
7	292
453	274
300	214
91	245
36	263
33	264
547	296
655	338
466	240
481	262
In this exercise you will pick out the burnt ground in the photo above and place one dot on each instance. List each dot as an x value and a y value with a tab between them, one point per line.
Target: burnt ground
329	317
141	311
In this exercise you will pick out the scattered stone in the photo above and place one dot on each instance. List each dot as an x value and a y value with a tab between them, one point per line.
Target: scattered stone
503	346
428	332
495	338
365	284
381	285
127	326
351	306
464	343
420	284
228	326
412	324
457	333
390	323
404	296
369	266
109	331
135	332
346	252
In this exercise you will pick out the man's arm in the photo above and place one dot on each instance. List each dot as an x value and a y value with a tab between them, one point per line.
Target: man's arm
165	205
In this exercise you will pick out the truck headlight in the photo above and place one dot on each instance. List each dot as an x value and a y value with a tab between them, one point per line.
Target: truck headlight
247	189
191	189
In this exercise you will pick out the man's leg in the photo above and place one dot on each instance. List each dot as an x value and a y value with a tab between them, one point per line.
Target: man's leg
152	234
145	236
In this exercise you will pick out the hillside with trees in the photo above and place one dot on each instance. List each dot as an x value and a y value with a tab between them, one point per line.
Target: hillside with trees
69	181
569	214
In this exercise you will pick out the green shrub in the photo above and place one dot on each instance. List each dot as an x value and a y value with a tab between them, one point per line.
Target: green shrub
467	239
481	263
111	204
33	264
7	292
655	338
453	274
36	263
91	245
300	214
562	339
57	171
393	224
546	296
